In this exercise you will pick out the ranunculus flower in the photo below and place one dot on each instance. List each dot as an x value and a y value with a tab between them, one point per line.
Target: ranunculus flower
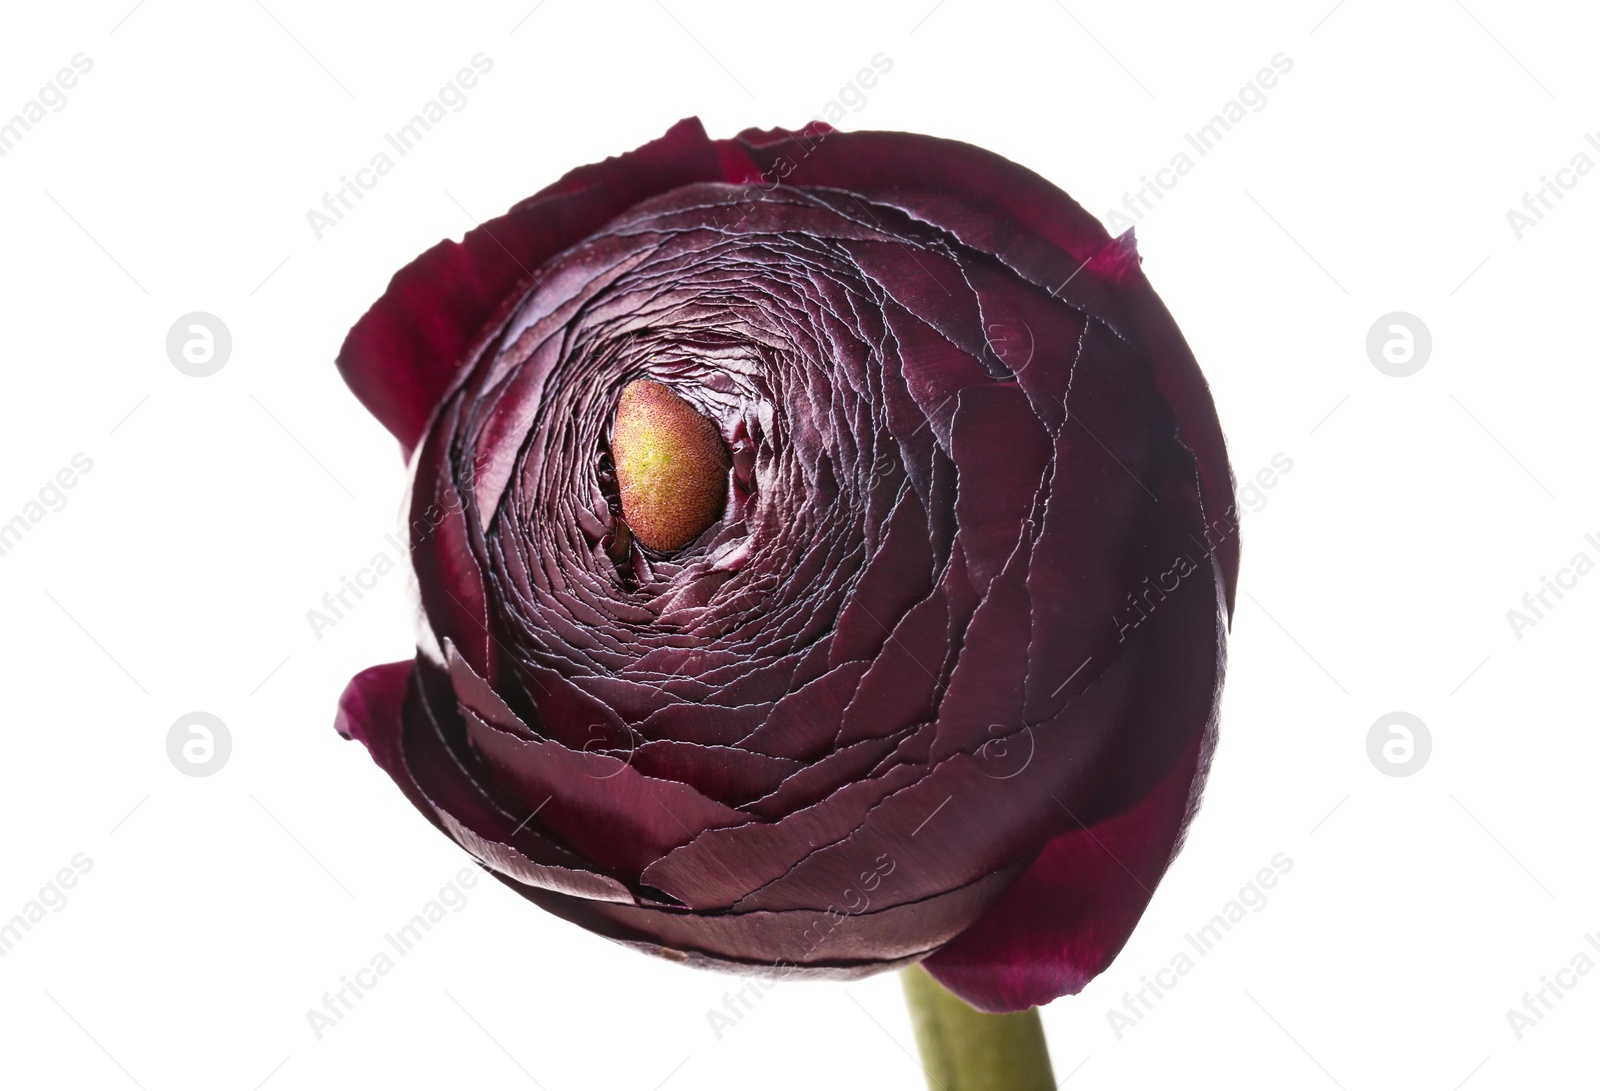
824	545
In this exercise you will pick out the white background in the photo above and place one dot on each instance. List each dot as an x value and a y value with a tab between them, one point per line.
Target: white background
1376	577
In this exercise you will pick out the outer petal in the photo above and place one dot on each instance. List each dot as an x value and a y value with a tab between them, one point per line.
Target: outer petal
832	943
1002	208
384	709
403	355
1070	914
370	711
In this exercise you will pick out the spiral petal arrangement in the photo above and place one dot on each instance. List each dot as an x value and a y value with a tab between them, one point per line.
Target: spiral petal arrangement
922	658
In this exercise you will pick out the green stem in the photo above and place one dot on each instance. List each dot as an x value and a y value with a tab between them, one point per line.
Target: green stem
964	1049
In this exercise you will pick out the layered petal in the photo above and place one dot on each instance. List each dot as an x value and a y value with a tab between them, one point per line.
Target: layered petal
403	355
1072	911
946	664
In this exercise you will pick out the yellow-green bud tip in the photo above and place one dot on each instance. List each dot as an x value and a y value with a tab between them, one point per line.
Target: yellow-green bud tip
672	466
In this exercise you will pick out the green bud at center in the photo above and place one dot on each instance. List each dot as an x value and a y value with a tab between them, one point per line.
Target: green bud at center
672	466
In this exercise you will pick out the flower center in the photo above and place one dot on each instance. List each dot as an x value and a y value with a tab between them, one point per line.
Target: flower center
672	466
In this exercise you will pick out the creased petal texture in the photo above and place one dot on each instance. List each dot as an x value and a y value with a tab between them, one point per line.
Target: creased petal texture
939	683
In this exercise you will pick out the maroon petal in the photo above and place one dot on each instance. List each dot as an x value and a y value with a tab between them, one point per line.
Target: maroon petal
990	203
1072	911
1002	453
849	938
370	711
1002	208
449	578
403	355
1181	383
382	707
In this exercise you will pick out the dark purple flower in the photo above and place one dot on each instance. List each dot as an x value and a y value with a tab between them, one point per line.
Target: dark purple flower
922	660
